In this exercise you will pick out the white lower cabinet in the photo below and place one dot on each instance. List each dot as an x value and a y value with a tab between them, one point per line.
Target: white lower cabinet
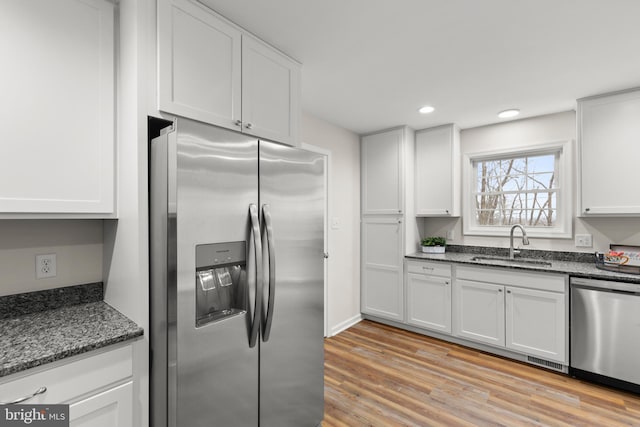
535	322
382	255
113	407
98	387
521	311
429	295
480	312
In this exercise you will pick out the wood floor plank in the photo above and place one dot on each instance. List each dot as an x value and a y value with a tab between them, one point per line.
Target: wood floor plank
377	375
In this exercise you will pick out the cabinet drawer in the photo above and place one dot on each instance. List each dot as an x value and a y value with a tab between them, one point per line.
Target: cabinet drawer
524	279
429	268
67	382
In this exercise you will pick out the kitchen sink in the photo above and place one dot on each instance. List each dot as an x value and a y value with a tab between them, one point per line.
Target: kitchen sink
509	261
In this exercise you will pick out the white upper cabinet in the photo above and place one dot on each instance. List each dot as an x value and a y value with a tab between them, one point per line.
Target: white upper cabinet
212	71
437	171
609	149
270	92
382	163
199	64
57	158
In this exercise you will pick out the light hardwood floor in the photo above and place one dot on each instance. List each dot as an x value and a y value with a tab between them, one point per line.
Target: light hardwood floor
376	375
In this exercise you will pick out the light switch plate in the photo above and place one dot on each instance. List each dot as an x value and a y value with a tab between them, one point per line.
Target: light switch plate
335	223
584	240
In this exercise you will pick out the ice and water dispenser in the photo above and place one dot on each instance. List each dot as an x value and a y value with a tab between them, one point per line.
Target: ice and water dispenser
220	281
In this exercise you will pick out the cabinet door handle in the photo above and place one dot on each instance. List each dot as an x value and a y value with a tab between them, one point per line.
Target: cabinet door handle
446	282
41	390
587	209
239	123
499	290
249	125
508	292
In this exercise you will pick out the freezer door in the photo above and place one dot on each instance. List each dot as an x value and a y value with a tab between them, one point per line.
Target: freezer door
216	362
292	200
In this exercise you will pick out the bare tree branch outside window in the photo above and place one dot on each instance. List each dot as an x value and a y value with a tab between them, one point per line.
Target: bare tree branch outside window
518	190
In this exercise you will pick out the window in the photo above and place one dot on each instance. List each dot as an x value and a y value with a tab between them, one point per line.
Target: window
516	190
525	187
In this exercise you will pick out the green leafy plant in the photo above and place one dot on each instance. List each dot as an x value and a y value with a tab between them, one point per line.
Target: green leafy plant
434	241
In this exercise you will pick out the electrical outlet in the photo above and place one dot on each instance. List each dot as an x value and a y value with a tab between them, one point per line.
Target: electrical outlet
451	234
46	266
584	240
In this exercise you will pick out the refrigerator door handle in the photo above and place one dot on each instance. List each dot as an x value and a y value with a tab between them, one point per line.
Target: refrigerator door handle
268	228
257	261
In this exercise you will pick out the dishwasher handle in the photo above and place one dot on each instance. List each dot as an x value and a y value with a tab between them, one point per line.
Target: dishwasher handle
606	285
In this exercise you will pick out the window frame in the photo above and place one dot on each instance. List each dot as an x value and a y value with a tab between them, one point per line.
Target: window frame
564	200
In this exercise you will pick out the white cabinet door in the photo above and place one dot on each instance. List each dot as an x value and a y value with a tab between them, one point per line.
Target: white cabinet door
97	386
111	408
382	168
536	323
429	302
270	93
609	149
437	171
57	109
212	71
479	309
199	57
382	255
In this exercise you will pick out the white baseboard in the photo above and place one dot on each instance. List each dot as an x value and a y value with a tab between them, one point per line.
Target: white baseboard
345	325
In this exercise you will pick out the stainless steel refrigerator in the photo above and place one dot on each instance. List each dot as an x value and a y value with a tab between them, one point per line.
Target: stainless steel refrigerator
237	268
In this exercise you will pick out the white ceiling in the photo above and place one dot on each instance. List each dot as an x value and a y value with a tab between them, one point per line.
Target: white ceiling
370	64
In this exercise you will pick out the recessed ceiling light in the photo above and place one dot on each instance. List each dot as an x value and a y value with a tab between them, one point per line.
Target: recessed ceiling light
426	109
508	113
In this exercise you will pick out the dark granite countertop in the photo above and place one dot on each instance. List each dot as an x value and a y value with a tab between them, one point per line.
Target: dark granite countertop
573	264
43	327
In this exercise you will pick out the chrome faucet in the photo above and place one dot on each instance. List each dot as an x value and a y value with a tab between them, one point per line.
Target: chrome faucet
525	240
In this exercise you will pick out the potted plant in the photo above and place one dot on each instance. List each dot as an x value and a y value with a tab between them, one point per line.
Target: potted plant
433	245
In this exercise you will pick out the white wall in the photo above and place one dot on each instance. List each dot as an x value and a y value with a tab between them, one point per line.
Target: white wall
126	241
76	243
344	243
519	133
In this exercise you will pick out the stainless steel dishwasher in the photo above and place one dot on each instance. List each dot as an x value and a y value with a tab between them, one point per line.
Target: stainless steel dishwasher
605	332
